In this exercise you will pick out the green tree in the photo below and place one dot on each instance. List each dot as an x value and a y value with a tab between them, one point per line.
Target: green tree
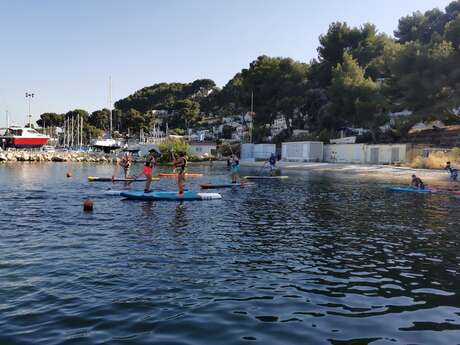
354	99
100	119
452	33
51	120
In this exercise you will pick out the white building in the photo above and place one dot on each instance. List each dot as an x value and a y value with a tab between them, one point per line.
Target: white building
203	148
345	153
279	125
367	154
304	151
251	152
388	153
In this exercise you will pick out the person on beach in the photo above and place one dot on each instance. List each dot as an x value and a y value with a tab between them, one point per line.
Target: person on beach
235	168
453	172
272	162
417	182
179	165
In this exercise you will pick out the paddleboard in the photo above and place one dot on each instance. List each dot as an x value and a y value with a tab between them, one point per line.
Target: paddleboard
170	196
175	175
226	185
408	190
109	179
266	177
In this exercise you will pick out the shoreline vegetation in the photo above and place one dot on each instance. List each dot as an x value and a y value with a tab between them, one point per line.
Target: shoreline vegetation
361	78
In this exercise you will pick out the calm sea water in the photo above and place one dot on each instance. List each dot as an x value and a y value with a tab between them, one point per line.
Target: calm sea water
316	259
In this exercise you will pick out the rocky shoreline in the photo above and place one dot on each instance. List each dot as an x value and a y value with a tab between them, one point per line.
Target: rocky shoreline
83	157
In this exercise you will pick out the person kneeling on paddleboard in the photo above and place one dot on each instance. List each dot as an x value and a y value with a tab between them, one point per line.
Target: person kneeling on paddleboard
453	172
179	166
417	182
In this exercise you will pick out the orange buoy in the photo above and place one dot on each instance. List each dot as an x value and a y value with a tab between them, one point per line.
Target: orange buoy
69	174
88	205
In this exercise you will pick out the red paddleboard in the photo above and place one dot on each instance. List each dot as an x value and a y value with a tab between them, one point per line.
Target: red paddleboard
175	175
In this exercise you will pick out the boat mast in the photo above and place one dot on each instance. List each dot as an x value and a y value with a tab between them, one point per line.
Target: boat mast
110	106
7	120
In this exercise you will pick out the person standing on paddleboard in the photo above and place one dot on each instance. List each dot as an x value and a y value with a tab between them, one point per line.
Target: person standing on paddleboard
125	163
149	164
272	162
235	168
179	166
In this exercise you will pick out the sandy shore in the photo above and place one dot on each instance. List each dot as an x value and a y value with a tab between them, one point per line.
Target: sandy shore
440	177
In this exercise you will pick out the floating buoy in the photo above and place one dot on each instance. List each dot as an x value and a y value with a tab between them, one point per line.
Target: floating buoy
88	205
69	174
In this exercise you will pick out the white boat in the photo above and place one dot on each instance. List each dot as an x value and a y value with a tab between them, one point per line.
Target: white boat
106	145
23	137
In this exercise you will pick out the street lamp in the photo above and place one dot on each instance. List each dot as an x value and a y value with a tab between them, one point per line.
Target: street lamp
29	96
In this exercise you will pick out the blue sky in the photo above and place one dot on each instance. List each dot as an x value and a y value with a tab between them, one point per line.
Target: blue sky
65	51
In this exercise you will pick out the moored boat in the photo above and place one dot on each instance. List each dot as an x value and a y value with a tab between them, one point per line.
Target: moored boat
23	137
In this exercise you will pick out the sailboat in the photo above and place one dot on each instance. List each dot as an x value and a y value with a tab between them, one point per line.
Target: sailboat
107	144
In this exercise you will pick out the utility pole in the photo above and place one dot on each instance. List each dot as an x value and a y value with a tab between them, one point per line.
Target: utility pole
29	96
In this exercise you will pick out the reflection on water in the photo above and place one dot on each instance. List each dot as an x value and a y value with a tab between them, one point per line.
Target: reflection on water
316	259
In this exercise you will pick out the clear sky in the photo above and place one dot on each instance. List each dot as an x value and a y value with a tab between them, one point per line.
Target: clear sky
64	51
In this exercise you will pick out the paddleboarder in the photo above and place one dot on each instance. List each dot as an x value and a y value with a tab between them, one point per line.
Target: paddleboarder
272	162
453	172
149	165
179	165
235	168
417	182
125	164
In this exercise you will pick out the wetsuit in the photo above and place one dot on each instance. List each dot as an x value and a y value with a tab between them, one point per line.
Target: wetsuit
453	172
272	162
418	183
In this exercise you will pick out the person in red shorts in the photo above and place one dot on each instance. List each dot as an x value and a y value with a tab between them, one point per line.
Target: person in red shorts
148	171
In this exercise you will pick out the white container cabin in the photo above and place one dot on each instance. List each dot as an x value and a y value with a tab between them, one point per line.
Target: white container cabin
388	153
345	153
251	152
302	151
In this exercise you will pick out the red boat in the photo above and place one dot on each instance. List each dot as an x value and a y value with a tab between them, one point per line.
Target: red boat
23	137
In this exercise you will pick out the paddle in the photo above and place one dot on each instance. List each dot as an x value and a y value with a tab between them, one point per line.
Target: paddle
263	167
142	173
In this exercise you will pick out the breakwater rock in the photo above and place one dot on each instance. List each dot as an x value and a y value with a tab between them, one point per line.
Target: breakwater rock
32	156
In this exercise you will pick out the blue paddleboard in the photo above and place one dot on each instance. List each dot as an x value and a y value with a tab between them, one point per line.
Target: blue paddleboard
408	190
170	196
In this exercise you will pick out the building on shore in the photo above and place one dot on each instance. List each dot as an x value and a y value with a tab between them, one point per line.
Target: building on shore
203	148
303	151
252	152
